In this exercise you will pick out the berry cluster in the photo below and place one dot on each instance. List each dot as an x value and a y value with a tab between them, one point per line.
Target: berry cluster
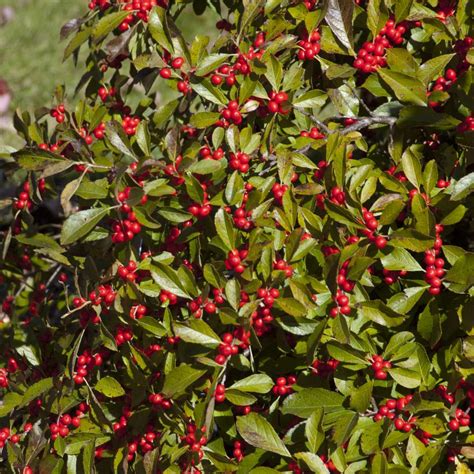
371	225
123	335
283	385
392	276
323	368
239	161
65	422
85	363
345	286
200	210
58	113
372	54
138	11
242	218
23	200
380	366
104	93
434	264
237	451
467	125
309	46
231	114
461	418
234	260
128	272
130	124
461	48
138	311
219	393
159	400
168	297
197	306
443	83
124	231
196	439
278	191
3	378
6	435
282	266
278	103
206	153
104	294
313	133
146	443
226	348
241	66
338	196
391	406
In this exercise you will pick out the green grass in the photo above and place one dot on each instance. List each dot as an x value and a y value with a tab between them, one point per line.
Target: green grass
30	50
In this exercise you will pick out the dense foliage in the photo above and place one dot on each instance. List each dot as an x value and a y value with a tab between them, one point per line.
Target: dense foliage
270	272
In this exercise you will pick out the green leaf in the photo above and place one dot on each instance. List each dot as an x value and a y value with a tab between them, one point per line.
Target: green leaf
405	377
434	67
314	462
174	215
36	390
345	353
39	240
313	430
291	307
179	379
405	87
168	279
462	188
305	402
400	259
107	24
310	99
197	332
377	16
416	116
211	63
37	160
225	229
159	28
274	72
239	398
257	383
339	18
402	9
380	313
9	402
206	166
110	387
403	302
411	239
258	432
342	215
209	92
400	60
462	272
80	224
152	326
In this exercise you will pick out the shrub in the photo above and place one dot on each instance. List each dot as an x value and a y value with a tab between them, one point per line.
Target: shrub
270	272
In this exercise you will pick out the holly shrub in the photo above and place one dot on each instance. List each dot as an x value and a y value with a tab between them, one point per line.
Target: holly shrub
269	271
